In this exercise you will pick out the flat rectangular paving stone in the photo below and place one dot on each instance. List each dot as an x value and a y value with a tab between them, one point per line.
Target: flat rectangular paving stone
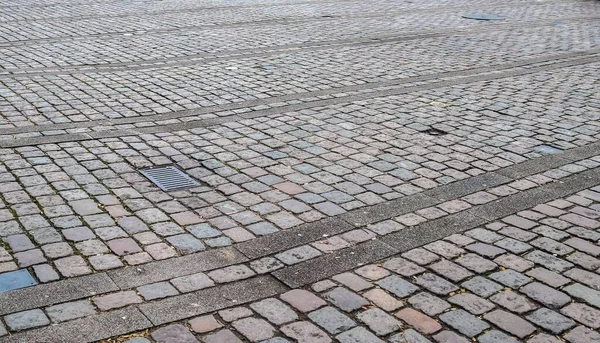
468	186
376	213
16	279
88	329
433	230
331	264
211	299
168	269
55	292
299	235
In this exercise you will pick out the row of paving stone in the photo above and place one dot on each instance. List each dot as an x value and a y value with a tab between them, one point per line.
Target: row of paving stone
89	96
530	276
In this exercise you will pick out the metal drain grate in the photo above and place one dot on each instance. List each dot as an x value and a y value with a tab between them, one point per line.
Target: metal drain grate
169	178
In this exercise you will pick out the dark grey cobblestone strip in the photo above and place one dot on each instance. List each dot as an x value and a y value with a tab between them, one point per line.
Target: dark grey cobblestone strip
325	266
433	230
167	269
55	292
88	329
265	52
322	267
212	299
459	77
293	237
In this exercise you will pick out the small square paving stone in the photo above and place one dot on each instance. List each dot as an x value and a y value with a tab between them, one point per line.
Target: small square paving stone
235	313
584	314
174	333
19	242
204	324
29	257
15	280
186	243
26	320
548	277
231	273
123	246
420	256
446	337
485	250
435	284
298	254
85	207
510	278
514	262
117	300
262	228
412	336
464	322
222	336
403	267
550	320
544	338
513	302
476	263
157	290
192	282
495	336
104	262
274	311
546	295
203	231
398	286
3	331
428	303
582	335
471	303
383	300
358	335
372	272
68	311
379	322
72	266
305	332
44	273
132	225
510	323
444	249
450	270
331	320
346	300
419	321
352	281
78	234
254	329
548	261
266	265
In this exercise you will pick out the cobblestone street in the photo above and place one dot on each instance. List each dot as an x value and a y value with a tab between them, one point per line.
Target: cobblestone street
358	171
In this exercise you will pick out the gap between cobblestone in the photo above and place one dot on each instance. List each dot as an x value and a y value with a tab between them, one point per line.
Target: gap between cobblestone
371	90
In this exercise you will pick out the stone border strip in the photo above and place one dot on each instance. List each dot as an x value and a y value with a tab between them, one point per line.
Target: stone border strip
126	278
209	57
211	299
372	90
56	292
322	267
87	329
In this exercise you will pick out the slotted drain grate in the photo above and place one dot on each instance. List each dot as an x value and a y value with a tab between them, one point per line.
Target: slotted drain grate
169	178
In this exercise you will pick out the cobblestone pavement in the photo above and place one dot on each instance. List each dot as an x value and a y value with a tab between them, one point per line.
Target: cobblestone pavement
381	171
